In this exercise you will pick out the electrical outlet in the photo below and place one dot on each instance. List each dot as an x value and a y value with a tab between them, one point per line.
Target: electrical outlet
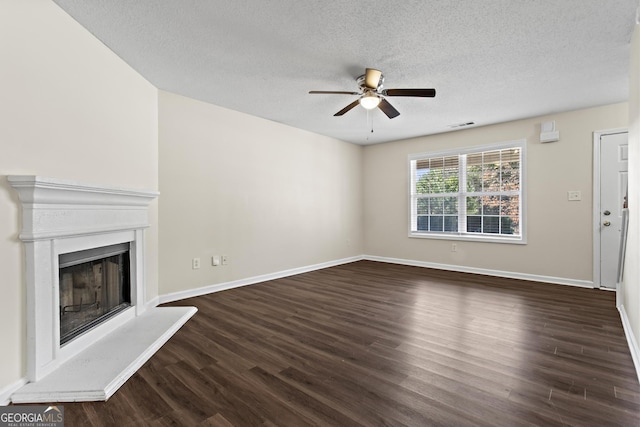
215	260
225	260
195	263
454	247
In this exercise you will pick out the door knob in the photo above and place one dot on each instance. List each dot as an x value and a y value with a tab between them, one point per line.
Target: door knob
606	223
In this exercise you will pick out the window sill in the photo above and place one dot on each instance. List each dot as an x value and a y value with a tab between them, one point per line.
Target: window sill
519	240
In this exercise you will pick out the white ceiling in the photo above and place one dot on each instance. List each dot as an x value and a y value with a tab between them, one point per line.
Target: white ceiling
490	61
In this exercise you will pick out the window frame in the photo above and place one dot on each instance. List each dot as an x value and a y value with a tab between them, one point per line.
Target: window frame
462	194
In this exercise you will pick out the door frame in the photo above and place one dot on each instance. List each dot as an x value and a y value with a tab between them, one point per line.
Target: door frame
596	200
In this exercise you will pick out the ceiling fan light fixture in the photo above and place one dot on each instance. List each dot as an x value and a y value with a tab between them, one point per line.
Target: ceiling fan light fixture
369	101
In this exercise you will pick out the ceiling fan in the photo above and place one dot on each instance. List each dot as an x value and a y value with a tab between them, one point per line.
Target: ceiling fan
372	94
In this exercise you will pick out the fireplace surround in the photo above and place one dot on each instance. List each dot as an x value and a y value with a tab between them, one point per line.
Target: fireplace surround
62	217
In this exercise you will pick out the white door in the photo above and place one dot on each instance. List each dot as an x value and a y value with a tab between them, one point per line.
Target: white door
613	190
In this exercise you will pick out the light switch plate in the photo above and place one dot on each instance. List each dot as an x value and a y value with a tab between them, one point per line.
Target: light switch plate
574	196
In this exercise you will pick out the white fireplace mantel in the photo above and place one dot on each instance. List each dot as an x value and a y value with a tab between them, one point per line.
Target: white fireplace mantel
54	208
58	217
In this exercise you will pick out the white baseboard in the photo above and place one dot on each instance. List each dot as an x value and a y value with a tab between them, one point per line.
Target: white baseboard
631	339
176	296
152	303
5	393
486	272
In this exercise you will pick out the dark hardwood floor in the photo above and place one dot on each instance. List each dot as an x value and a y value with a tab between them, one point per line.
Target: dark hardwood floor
373	344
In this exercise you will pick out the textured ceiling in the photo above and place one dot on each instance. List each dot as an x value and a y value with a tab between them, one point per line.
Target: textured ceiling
490	61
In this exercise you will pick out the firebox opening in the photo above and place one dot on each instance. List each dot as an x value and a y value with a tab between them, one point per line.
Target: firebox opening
94	285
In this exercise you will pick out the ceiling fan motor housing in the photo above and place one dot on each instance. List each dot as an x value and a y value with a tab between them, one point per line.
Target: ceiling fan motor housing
361	80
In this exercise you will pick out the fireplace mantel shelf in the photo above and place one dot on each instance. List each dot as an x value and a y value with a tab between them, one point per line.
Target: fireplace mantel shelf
55	208
98	371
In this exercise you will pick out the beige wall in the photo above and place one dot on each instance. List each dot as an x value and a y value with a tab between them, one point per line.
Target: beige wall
268	196
631	282
559	236
69	109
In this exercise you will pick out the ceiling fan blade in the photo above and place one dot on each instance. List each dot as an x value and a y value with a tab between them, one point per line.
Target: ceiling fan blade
427	93
388	109
333	92
372	78
347	108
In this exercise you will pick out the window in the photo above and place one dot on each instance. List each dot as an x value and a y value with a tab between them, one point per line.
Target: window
474	193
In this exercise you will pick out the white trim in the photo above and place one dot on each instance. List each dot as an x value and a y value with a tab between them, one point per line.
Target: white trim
152	303
468	237
631	339
176	296
6	392
483	271
597	136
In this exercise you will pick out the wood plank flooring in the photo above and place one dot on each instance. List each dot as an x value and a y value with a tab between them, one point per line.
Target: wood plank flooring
374	344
